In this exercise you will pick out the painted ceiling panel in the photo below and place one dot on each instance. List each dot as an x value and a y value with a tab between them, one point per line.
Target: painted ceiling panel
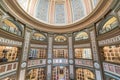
61	12
42	10
78	10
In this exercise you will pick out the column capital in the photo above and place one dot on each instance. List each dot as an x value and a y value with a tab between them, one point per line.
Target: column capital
92	28
69	34
50	34
28	27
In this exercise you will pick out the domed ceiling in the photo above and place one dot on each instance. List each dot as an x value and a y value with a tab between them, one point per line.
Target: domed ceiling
58	12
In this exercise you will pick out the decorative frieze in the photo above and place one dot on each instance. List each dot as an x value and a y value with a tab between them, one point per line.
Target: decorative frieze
60	46
88	63
7	68
38	46
82	45
112	40
5	41
38	62
111	68
60	61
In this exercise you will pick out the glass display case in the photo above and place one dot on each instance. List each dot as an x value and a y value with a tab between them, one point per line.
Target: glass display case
84	53
37	53
84	74
111	53
8	53
36	74
60	73
60	53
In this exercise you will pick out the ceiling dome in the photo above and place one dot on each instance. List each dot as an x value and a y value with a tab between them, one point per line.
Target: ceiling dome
58	12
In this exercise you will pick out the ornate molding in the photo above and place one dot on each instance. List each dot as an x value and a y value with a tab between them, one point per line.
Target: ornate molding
60	46
112	40
88	63
21	15
82	45
5	41
38	46
38	62
111	68
60	61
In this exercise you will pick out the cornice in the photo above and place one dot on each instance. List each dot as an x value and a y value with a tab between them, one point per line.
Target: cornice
15	10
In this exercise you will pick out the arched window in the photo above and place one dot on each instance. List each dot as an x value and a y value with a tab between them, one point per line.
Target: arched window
39	36
81	36
108	25
60	38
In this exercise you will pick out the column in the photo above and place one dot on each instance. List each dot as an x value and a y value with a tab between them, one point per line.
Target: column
71	58
96	56
49	60
22	66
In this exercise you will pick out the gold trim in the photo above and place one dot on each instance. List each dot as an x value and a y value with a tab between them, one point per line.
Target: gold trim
14	9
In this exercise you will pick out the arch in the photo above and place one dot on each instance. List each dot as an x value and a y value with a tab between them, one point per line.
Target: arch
108	24
60	38
81	36
18	25
60	73
12	26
